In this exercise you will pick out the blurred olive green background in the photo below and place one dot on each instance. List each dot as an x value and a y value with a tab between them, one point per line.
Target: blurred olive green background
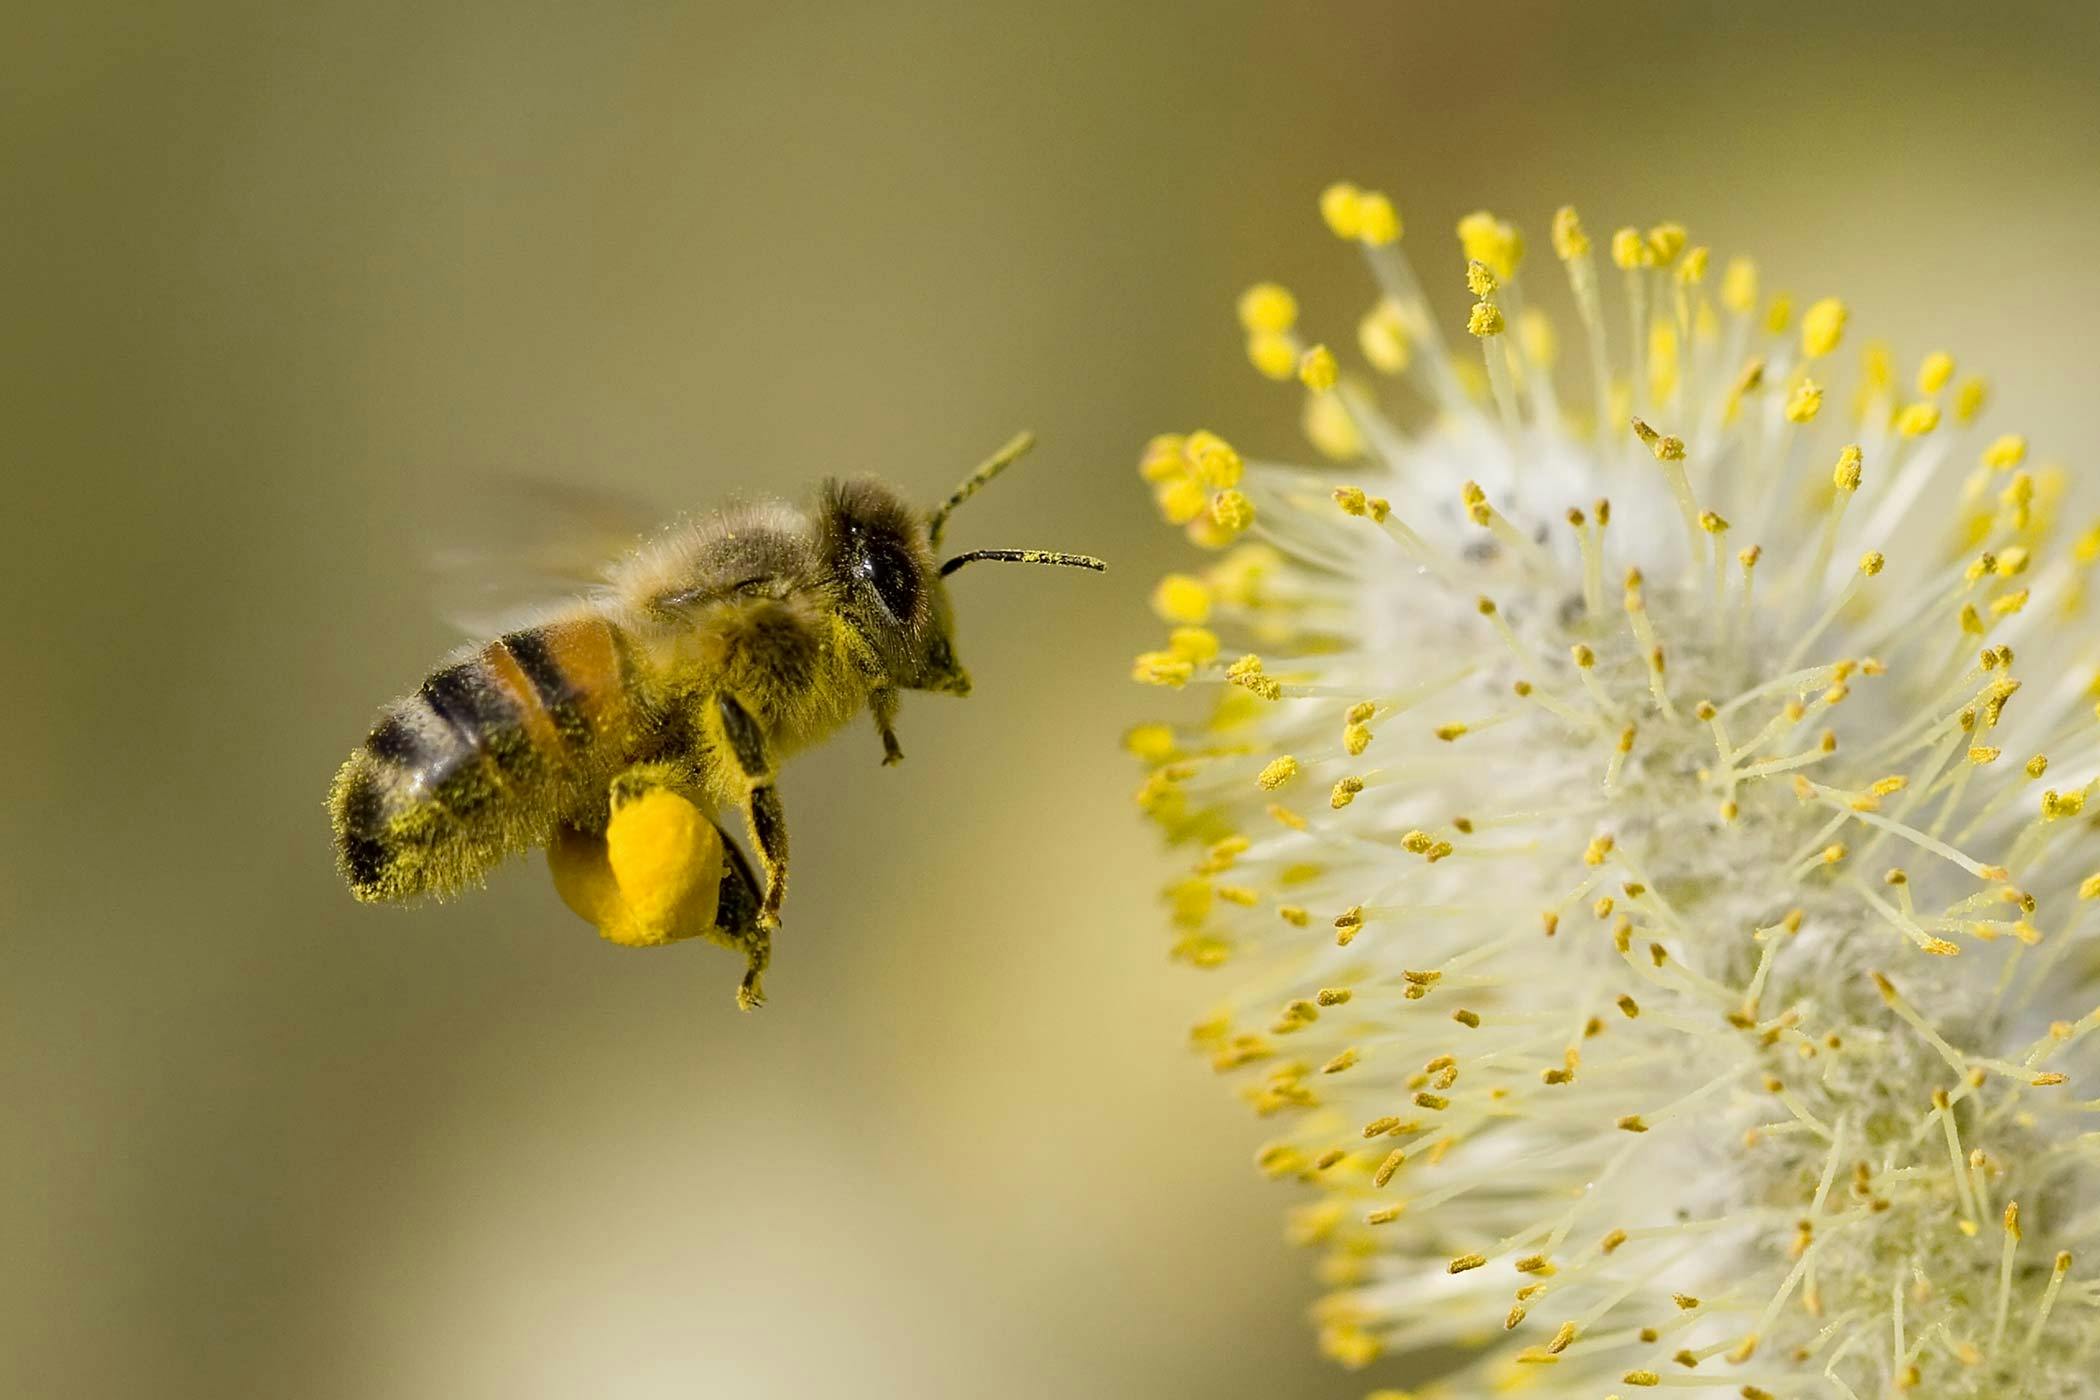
280	278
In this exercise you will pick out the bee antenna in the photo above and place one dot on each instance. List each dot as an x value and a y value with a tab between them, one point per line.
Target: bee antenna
1024	556
993	465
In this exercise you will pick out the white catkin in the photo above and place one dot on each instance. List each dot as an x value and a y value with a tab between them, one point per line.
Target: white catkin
1646	865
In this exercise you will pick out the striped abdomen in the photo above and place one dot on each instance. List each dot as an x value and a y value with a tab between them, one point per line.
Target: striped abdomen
483	759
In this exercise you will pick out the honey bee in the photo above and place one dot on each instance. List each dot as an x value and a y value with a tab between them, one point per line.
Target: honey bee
716	651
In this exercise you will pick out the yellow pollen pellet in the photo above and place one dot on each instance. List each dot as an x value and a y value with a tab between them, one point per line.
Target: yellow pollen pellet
1484	320
1918	419
1265	306
1822	327
1316	369
1278	772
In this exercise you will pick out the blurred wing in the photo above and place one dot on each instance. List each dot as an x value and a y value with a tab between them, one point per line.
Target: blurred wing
524	546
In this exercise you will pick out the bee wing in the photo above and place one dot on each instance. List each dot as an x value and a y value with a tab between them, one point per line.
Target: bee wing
524	546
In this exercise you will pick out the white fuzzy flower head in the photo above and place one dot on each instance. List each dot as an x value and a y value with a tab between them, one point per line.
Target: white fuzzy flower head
1637	815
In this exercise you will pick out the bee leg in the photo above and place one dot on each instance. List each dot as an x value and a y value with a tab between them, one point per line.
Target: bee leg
745	743
737	914
884	704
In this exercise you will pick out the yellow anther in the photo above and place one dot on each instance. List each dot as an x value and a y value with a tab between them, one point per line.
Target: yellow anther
1265	306
1805	402
1345	793
2005	452
1780	314
1164	458
2089	887
1382	336
1378	222
1665	242
1748	556
1450	733
1739	286
1465	1262
1277	772
1666	449
1182	598
1479	280
1969	399
1193	644
1918	419
1273	353
1217	464
1232	510
1822	327
1872	562
1484	320
1712	523
1569	240
1341	205
1356	738
1599	849
1845	476
1154	743
1934	373
1345	1060
1629	250
1247	673
1491	242
1535	333
1583	656
1316	369
1692	271
1162	668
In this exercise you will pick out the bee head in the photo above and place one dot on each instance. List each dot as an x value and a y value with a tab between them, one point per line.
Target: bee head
881	552
878	553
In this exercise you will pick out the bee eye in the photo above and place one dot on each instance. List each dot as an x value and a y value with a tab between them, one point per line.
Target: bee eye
895	578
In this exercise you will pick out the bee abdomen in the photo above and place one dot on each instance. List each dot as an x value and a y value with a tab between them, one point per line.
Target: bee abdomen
481	760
